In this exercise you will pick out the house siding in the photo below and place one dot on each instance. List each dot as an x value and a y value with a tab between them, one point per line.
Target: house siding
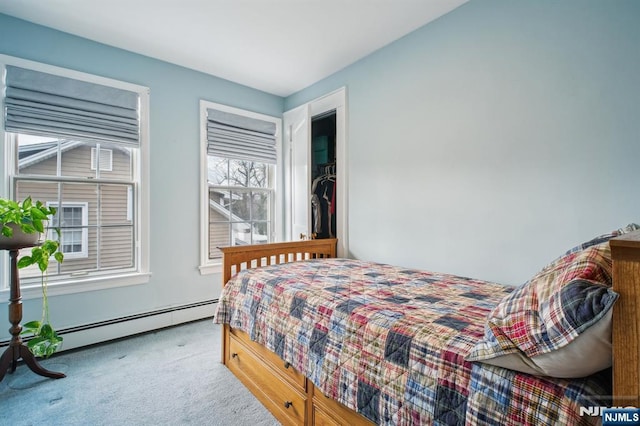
219	235
107	201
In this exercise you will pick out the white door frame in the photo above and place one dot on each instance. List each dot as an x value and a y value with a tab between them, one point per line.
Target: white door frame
336	100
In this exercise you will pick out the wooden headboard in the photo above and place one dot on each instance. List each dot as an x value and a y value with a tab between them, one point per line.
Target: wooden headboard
625	252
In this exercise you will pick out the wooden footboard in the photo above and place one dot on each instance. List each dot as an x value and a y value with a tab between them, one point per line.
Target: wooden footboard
290	396
237	258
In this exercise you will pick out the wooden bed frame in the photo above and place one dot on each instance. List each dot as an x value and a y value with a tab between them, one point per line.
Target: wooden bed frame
293	399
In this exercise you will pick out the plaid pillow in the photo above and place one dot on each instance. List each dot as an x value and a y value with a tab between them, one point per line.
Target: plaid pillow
604	238
553	308
592	242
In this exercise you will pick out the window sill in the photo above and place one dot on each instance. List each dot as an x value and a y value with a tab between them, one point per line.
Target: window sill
212	268
80	285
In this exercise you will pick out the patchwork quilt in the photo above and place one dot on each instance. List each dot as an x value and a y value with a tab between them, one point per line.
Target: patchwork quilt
390	343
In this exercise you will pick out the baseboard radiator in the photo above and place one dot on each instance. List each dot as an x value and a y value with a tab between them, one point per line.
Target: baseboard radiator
116	328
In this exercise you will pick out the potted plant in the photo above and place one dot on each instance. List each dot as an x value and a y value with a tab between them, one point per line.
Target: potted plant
22	225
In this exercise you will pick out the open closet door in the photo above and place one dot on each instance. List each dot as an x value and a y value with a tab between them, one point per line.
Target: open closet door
297	126
299	158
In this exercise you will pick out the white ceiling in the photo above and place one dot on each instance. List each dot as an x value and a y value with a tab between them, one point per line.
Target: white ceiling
278	46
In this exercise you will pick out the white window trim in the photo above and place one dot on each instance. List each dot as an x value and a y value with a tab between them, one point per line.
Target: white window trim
84	253
141	203
211	266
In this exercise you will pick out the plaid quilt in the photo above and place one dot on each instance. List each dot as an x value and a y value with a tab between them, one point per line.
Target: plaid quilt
390	343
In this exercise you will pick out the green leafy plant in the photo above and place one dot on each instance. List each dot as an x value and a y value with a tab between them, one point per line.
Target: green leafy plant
31	217
28	216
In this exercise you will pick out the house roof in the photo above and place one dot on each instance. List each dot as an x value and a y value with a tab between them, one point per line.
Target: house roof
31	154
225	212
237	220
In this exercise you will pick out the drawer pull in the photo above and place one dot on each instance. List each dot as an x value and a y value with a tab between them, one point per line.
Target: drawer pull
287	365
288	404
234	355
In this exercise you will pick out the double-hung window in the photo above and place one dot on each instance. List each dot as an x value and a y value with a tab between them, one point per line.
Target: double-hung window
240	153
79	143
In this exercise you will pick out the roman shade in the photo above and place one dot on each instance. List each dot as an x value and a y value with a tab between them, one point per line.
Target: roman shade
44	104
240	137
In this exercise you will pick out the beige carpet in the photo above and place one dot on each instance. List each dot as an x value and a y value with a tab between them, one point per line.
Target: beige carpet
168	377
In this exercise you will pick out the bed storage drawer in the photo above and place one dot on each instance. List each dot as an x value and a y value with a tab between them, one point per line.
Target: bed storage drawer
273	360
320	418
276	392
326	411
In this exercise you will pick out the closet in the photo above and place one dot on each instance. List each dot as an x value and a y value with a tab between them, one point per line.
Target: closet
323	176
315	187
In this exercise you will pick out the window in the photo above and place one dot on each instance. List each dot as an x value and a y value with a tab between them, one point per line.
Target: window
106	159
72	221
240	154
240	202
70	151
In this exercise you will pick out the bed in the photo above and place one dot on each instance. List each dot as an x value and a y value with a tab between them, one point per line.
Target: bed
323	340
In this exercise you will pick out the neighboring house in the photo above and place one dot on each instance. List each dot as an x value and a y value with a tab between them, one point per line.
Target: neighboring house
89	214
219	223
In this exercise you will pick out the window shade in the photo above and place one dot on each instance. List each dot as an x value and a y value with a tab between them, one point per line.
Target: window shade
239	137
49	105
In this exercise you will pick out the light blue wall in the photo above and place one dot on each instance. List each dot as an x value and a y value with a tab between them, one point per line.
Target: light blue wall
175	179
489	141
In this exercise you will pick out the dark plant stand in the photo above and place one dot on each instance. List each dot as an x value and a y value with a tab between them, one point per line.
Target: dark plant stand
17	349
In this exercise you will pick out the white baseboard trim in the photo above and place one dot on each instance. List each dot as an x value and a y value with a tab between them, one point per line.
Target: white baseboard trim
91	334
